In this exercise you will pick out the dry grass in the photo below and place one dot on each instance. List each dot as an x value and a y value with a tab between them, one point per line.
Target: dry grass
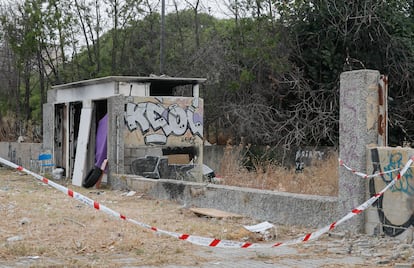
11	128
319	179
55	226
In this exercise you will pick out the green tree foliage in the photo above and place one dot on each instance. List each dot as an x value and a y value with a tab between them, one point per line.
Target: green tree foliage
22	27
272	67
334	36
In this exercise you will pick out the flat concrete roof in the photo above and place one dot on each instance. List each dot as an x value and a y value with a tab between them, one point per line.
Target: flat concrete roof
164	80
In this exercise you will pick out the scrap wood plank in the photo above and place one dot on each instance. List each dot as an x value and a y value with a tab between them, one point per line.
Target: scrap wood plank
214	213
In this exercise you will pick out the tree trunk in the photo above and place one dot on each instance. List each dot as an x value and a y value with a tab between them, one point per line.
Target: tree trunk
115	38
41	85
27	92
85	35
197	26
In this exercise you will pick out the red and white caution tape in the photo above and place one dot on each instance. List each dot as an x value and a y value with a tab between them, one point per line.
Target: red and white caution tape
206	241
363	175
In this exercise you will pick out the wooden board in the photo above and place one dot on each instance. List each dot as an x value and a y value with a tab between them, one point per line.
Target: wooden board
178	159
214	213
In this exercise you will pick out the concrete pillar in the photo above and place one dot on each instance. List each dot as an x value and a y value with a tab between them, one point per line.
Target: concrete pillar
358	127
48	126
116	126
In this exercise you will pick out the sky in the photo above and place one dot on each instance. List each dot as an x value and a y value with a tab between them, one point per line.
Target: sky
217	8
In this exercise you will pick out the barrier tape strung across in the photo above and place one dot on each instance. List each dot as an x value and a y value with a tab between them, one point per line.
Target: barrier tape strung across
206	241
363	175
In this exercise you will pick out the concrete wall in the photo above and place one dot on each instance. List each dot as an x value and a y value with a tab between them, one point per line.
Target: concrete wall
23	154
213	155
393	213
277	207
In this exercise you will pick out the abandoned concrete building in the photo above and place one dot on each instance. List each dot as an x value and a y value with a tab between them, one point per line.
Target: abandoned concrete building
153	126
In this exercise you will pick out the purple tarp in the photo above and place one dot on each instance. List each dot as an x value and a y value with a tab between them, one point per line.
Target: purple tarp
101	137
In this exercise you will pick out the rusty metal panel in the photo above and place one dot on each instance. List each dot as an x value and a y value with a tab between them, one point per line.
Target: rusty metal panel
383	111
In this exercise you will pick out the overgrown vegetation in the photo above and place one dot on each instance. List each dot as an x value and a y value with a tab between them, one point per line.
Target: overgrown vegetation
320	178
272	66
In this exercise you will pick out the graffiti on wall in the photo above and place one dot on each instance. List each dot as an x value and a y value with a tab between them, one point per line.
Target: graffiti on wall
395	221
157	121
405	184
303	157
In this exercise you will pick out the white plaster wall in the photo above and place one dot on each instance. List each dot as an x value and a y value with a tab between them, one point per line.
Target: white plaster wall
89	92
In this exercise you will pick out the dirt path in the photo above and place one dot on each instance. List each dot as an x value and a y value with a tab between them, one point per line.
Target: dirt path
42	227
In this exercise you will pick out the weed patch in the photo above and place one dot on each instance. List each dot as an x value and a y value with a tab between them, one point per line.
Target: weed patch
321	178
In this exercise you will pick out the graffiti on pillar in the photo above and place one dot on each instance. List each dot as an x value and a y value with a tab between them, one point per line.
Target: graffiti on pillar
157	120
403	190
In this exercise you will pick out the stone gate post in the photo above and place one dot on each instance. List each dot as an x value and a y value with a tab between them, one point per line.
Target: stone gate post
358	127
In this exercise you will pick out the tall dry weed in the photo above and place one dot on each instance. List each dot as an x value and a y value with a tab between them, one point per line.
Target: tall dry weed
7	128
321	178
11	129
